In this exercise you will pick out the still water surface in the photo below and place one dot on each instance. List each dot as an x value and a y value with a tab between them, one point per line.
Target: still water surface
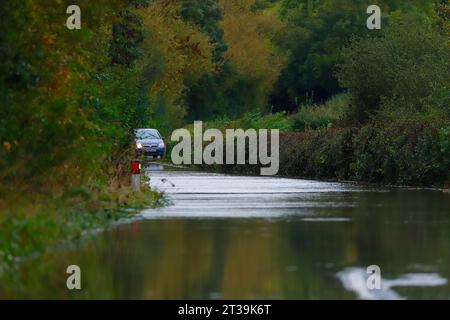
230	237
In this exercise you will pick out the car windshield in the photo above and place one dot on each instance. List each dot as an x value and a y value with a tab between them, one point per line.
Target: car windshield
147	134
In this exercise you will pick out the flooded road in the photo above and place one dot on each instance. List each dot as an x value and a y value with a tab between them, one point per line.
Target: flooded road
230	237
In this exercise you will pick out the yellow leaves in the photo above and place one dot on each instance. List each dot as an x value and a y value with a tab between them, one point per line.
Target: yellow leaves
7	146
176	52
185	50
249	35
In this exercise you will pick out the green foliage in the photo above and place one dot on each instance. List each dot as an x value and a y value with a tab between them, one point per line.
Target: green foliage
443	11
119	106
406	153
444	145
206	14
252	120
242	81
399	153
403	153
311	116
316	32
263	4
27	231
69	100
315	153
403	74
269	122
227	93
212	95
127	36
66	113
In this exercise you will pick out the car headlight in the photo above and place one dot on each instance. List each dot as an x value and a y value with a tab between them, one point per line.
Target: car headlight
138	145
161	145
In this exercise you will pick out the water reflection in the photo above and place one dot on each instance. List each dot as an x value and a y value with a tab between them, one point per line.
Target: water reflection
299	245
355	279
151	166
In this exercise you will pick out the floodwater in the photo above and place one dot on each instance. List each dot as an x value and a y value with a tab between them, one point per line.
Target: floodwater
234	237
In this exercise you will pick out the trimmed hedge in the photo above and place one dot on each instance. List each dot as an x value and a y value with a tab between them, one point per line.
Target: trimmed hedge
400	153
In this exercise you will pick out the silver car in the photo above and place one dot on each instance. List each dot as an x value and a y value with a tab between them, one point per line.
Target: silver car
149	142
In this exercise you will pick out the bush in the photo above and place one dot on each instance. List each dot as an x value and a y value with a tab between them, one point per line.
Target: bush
316	153
66	112
253	120
414	153
405	153
321	116
403	74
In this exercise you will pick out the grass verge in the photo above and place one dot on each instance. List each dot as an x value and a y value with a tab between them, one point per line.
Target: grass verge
31	223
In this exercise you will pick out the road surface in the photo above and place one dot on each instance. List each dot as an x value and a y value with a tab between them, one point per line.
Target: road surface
234	237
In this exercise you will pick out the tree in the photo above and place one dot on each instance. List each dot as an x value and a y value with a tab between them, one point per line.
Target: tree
128	34
249	33
316	31
206	14
176	54
58	120
243	81
404	73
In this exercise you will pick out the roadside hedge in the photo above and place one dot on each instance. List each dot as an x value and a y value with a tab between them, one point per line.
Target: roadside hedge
399	153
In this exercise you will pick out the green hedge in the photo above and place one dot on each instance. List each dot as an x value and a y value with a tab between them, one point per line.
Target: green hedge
406	153
400	153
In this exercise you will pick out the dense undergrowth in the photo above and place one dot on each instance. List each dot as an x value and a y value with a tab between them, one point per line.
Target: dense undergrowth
35	222
401	153
409	153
